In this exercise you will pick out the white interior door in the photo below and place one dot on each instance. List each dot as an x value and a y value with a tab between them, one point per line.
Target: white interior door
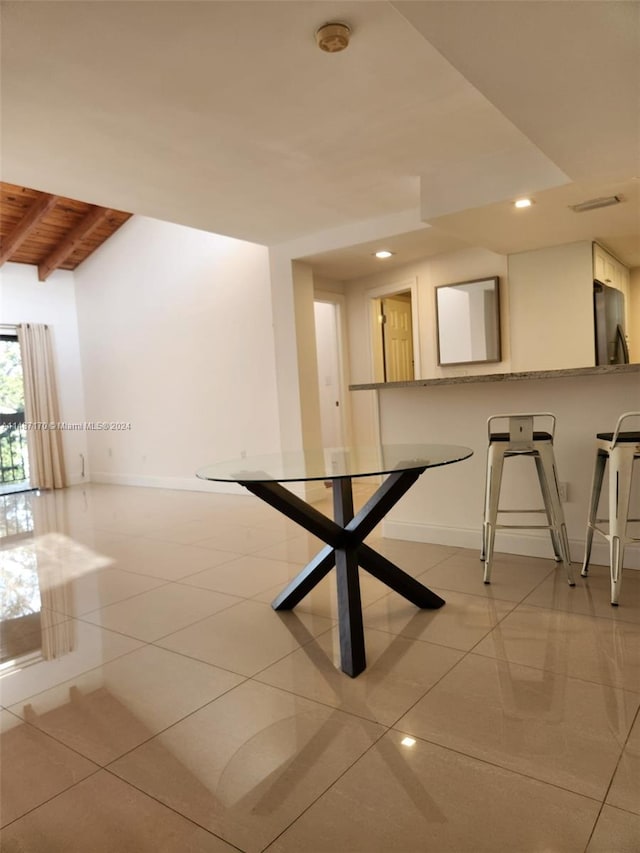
329	373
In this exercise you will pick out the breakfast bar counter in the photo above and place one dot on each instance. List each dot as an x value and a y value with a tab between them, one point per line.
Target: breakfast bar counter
455	409
463	379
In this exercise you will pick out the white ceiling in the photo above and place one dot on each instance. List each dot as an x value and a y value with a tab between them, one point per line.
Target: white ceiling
357	260
226	116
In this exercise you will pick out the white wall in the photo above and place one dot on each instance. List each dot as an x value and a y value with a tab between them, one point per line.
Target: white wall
321	284
176	336
551	293
24	299
307	354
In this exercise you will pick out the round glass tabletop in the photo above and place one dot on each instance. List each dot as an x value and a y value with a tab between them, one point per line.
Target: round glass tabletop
332	463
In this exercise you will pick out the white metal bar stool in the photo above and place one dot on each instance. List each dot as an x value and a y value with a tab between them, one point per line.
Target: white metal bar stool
621	449
523	439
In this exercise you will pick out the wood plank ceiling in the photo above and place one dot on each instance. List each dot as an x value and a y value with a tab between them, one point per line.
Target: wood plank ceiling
49	231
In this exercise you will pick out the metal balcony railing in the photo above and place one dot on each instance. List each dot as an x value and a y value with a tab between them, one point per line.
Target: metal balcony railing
13	449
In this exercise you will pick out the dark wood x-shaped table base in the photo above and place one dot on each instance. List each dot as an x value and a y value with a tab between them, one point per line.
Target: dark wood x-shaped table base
346	550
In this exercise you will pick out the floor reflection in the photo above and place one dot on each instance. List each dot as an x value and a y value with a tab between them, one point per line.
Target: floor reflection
149	691
20	605
16	516
38	563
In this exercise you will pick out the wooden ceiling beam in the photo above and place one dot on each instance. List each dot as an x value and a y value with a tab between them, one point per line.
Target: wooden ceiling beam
29	221
92	220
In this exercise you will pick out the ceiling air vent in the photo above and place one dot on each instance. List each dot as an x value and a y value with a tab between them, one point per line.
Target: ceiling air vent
595	203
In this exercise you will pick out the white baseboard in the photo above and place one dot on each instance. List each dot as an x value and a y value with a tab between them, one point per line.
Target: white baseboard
507	543
76	480
313	492
183	484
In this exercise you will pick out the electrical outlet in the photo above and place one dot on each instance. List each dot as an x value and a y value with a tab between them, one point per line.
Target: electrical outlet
563	489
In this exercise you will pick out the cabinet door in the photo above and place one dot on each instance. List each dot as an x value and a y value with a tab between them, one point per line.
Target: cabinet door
605	266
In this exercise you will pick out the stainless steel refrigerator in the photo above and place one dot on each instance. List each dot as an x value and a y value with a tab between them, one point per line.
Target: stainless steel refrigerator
608	314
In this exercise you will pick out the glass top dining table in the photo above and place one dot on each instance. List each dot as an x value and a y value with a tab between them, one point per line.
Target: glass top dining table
330	463
345	533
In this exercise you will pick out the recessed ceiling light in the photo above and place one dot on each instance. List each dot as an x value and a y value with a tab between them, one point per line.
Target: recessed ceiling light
408	741
523	202
384	253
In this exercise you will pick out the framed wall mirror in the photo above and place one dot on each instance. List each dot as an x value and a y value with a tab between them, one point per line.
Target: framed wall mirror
468	322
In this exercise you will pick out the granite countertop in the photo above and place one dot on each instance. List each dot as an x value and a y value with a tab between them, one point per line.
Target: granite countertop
606	369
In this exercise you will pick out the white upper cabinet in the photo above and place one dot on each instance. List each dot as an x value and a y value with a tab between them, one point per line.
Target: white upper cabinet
611	271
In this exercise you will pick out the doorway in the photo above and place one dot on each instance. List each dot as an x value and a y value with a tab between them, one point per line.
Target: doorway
393	335
331	383
14	460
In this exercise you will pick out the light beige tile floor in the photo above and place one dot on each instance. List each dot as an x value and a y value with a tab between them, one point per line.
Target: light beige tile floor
625	789
160	704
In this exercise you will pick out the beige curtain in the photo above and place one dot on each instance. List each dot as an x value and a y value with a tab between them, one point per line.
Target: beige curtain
46	462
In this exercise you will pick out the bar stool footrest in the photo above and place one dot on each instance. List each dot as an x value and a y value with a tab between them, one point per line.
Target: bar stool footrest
522	511
606	535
